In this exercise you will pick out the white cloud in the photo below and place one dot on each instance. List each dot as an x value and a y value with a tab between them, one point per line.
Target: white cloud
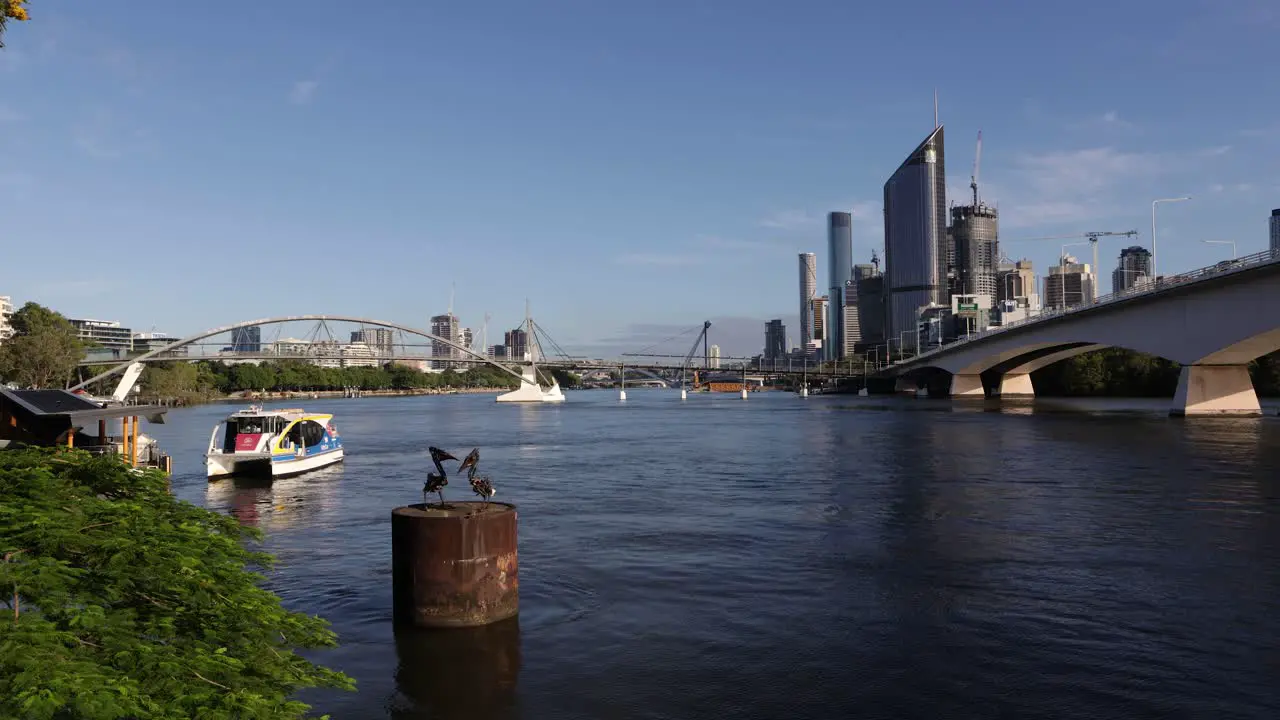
1071	185
302	91
790	220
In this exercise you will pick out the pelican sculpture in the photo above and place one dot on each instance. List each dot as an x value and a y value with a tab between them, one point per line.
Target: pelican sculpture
438	479
480	484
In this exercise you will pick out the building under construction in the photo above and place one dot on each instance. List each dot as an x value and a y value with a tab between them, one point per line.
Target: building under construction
975	229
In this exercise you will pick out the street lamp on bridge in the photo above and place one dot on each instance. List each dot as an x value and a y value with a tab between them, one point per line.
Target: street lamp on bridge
1155	273
1232	243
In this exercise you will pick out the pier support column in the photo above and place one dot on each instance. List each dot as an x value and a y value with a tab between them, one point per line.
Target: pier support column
1215	390
1016	386
967	386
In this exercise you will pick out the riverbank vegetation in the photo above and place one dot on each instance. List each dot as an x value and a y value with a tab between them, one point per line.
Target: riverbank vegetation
1115	372
125	602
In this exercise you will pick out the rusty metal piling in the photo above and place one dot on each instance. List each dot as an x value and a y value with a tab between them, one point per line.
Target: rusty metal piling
454	565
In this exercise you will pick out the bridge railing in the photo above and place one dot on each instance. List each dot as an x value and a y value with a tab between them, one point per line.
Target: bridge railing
1151	287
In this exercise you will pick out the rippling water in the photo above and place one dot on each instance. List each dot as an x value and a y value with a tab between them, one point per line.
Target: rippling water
779	558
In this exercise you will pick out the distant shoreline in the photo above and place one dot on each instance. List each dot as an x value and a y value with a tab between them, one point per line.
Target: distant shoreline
275	396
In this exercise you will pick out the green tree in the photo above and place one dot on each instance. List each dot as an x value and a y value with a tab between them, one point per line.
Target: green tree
45	350
125	602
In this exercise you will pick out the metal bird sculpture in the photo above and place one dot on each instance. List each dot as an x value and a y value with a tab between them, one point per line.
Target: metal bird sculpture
438	479
479	483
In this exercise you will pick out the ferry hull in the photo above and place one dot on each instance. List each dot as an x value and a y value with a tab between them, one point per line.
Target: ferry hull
227	465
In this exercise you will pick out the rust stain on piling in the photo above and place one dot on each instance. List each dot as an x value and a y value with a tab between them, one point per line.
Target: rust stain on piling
454	566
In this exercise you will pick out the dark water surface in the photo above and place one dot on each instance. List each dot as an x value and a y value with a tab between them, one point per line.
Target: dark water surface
833	557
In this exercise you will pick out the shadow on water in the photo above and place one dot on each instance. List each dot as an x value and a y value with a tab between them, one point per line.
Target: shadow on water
460	673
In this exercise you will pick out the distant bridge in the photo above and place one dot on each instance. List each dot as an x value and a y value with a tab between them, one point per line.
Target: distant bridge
1213	321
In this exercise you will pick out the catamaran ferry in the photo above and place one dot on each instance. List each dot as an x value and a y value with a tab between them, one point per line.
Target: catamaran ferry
273	443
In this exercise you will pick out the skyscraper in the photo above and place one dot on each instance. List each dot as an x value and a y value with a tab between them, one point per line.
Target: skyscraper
714	357
808	291
775	341
445	327
915	236
517	342
840	260
381	340
975	229
1275	230
1134	269
820	321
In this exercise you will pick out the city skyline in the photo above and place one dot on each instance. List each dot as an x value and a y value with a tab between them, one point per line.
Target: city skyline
314	151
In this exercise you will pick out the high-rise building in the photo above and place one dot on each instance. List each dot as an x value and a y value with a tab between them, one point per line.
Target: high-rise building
106	334
808	291
246	339
517	342
915	236
820	321
466	339
381	341
975	231
775	341
840	259
856	306
713	357
444	327
148	341
1275	230
6	314
1133	269
1069	283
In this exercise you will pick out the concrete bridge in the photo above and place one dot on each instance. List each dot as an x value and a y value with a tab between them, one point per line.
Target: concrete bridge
1212	321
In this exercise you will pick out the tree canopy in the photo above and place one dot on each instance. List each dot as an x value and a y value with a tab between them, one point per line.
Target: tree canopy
125	602
45	350
11	10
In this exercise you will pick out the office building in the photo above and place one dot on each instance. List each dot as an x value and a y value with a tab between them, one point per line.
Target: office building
497	352
975	229
775	341
713	357
1133	270
915	236
819	323
808	291
517	342
840	264
6	317
104	334
1275	230
382	341
246	340
358	354
1016	295
1070	283
149	341
445	327
466	339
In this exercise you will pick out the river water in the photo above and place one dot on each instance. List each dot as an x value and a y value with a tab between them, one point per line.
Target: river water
834	557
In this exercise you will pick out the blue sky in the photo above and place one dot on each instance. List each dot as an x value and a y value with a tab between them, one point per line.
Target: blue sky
631	168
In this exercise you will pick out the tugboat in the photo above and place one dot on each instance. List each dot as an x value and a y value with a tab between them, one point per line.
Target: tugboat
272	443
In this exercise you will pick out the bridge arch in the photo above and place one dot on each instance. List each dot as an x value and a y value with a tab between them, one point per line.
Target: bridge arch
158	352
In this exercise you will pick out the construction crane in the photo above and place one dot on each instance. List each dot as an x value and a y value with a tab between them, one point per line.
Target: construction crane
688	358
973	179
1093	241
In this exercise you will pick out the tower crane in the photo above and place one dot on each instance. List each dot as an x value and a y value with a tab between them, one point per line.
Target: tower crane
1093	241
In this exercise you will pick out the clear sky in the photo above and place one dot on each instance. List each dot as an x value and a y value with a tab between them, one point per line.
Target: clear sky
628	167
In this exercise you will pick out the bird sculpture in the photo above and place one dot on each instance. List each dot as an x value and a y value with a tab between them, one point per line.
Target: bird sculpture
479	483
438	479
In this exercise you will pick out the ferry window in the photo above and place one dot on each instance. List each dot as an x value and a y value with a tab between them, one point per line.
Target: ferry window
295	434
312	432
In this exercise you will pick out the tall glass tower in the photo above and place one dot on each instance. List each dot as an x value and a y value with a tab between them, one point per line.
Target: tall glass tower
915	237
840	254
808	291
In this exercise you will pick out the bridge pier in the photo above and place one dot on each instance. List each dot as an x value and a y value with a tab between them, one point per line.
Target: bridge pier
967	386
1221	390
1016	385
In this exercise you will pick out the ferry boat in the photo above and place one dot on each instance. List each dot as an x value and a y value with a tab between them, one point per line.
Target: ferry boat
273	443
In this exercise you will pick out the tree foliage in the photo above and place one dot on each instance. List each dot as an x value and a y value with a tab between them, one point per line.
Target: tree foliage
11	10
45	350
125	602
1116	372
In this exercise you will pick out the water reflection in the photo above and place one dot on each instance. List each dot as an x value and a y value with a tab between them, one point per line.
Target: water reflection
457	673
276	504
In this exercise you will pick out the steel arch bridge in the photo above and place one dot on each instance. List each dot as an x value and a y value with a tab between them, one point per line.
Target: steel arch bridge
159	353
